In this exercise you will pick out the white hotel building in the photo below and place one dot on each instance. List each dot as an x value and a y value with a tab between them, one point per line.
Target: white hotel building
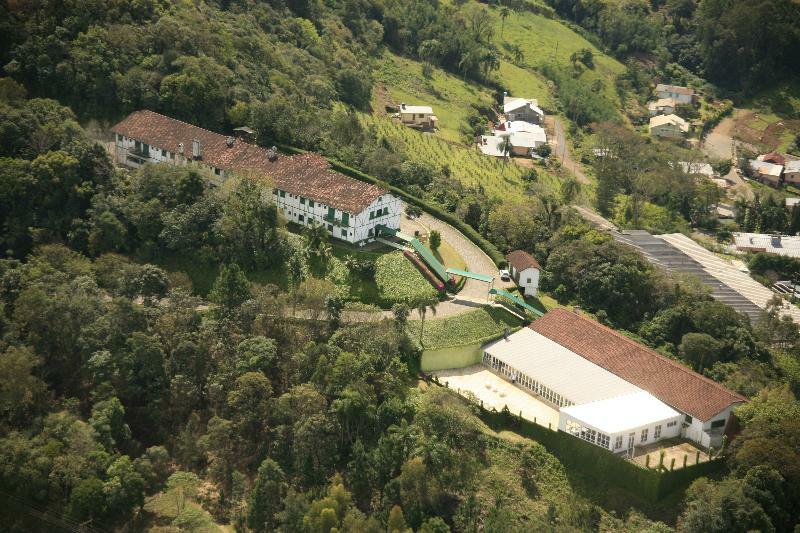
305	188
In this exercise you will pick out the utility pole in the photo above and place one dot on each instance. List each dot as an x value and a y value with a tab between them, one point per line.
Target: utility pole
556	52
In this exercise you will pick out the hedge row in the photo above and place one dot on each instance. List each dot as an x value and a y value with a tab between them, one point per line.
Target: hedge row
575	453
468	231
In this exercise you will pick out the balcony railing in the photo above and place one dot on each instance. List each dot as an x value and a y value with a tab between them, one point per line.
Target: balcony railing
335	221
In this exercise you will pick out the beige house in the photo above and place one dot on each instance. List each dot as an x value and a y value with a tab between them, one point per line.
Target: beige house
767	172
662	106
791	172
418	115
681	95
671	126
523	109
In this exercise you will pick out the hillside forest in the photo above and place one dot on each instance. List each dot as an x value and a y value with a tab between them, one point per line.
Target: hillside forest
132	398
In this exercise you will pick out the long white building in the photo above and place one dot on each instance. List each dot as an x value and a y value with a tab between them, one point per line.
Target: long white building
610	390
305	188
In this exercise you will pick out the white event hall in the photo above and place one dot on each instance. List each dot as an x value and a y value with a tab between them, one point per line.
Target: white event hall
609	389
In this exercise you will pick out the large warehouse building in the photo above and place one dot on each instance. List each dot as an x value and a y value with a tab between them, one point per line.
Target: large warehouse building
610	390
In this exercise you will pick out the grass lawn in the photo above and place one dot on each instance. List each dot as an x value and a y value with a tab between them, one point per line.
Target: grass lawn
546	40
468	328
525	83
398	280
448	256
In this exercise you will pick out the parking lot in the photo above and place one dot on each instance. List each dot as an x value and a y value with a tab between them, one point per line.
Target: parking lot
497	393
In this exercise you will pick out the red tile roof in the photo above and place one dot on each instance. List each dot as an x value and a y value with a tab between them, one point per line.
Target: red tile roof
667	380
774	157
307	175
521	260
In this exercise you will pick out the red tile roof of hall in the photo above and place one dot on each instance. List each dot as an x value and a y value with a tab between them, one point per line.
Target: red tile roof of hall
667	380
308	175
521	260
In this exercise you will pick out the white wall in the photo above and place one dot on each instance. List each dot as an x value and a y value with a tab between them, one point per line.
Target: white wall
666	431
521	279
679	98
360	227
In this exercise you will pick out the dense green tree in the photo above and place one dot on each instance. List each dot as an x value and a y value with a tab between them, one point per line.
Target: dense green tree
266	498
231	287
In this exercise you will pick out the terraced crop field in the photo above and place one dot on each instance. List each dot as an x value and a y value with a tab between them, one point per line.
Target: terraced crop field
467	165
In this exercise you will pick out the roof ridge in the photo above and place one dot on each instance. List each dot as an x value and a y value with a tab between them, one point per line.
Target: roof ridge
641	346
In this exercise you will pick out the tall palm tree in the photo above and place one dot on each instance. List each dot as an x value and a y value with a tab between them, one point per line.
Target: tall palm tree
505	146
423	305
504	13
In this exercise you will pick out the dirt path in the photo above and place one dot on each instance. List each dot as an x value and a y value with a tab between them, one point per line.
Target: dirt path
561	149
720	144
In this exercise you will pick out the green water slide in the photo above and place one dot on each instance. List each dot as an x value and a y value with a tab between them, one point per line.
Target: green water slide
517	300
428	257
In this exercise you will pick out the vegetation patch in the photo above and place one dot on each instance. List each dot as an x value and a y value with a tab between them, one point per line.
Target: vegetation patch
469	328
399	281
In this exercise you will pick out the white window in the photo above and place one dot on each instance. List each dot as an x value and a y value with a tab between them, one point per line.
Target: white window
670	424
618	442
657	431
644	435
603	440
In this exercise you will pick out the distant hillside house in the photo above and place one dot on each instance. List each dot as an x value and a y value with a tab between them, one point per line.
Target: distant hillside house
418	115
766	172
773	157
305	188
524	109
523	143
610	390
662	106
525	270
761	242
697	169
681	95
791	172
671	126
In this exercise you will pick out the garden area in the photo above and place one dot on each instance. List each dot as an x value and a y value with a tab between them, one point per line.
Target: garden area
398	280
480	325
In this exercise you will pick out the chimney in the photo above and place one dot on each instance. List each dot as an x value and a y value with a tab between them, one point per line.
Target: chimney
229	141
272	153
180	148
402	106
197	150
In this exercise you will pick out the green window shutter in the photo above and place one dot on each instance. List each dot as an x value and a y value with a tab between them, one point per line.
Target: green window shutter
283	194
146	149
311	203
302	201
346	219
137	146
332	212
385	210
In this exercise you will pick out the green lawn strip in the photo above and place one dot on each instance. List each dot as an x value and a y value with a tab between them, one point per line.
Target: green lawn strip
398	280
480	325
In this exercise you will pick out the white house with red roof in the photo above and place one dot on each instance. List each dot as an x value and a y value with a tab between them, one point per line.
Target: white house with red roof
524	270
609	389
305	187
